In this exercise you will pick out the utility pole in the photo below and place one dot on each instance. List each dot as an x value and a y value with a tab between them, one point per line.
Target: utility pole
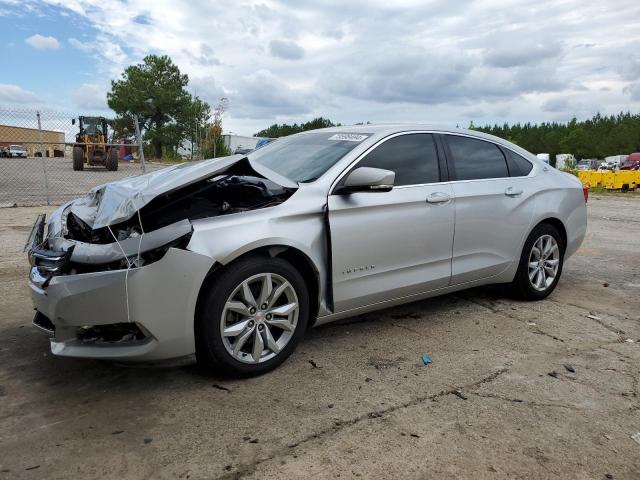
44	168
139	139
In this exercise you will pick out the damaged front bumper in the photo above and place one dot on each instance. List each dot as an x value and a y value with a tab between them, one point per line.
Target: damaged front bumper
113	278
140	313
157	301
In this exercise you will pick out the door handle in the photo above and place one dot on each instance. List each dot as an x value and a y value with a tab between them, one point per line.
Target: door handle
438	197
512	192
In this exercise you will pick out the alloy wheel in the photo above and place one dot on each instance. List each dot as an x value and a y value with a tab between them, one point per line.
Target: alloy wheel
544	261
259	318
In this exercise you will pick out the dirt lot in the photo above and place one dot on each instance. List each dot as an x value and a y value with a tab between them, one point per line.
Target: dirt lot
22	180
355	399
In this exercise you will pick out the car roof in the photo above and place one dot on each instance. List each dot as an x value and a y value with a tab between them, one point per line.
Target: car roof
381	130
391	128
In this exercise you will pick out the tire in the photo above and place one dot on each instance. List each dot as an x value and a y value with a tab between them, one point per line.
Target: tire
250	318
536	282
78	158
111	161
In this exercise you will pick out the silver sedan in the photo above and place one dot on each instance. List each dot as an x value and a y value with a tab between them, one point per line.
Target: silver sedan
230	260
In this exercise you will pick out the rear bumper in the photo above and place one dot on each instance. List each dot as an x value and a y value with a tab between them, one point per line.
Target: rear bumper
576	226
159	298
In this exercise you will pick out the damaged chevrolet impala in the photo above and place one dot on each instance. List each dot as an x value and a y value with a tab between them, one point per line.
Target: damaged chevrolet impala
229	261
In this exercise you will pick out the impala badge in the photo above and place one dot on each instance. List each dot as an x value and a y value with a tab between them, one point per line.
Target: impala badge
349	270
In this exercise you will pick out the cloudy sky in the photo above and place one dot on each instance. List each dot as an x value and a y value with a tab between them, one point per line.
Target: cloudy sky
433	61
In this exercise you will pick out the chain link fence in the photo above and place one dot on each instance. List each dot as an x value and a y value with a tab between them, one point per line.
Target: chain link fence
49	157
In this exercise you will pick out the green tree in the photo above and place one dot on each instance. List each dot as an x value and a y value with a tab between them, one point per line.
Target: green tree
195	122
275	130
214	145
596	137
155	90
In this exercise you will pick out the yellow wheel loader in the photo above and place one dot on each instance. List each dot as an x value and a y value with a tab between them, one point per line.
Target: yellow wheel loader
91	144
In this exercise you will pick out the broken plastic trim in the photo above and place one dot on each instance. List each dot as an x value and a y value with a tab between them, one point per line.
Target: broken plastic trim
42	323
65	256
112	334
36	237
95	254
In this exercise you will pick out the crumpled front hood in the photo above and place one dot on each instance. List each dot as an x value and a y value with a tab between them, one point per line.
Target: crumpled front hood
115	202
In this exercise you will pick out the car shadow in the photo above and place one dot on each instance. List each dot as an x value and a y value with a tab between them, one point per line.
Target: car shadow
26	356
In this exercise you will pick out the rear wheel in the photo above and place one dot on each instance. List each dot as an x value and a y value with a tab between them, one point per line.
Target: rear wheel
540	263
253	316
78	158
111	161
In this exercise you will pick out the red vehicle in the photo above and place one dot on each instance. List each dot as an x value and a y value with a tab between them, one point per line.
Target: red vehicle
632	163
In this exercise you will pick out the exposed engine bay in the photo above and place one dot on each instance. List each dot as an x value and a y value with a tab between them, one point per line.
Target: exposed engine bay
219	195
74	245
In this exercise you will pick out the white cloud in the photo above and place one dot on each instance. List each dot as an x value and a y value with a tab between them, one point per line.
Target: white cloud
262	95
86	47
13	94
90	96
42	42
633	89
287	50
407	60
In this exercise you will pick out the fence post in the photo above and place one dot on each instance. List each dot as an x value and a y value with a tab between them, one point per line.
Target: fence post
139	139
44	168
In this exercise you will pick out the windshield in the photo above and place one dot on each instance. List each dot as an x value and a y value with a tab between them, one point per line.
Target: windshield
304	158
92	126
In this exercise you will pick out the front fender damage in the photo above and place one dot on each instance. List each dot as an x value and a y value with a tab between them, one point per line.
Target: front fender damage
91	234
96	254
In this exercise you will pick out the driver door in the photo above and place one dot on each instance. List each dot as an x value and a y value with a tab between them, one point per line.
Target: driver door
387	245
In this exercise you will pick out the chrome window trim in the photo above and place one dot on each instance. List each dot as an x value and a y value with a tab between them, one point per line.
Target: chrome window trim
531	174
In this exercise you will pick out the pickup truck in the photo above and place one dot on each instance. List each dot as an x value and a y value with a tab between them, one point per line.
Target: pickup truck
16	151
632	163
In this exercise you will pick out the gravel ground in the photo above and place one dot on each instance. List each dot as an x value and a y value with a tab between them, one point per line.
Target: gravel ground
22	180
515	390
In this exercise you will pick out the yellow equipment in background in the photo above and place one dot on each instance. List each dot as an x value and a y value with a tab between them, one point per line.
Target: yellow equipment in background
91	144
620	180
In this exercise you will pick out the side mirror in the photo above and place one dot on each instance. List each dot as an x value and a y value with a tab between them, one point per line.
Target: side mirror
368	179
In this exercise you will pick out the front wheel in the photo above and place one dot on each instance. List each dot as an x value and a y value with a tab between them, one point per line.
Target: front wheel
540	263
78	158
111	161
252	317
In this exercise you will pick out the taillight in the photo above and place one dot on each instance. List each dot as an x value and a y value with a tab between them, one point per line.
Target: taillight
585	192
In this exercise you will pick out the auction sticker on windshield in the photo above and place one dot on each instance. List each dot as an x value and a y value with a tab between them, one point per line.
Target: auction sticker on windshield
348	137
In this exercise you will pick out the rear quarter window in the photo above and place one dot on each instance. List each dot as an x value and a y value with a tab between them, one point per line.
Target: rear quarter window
518	165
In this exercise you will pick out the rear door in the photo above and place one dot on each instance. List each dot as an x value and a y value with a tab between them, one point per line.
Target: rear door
392	244
494	206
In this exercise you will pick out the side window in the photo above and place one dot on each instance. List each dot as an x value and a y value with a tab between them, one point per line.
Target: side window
474	159
518	166
413	157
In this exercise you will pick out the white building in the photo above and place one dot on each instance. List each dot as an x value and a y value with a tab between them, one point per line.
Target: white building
565	160
544	157
239	142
